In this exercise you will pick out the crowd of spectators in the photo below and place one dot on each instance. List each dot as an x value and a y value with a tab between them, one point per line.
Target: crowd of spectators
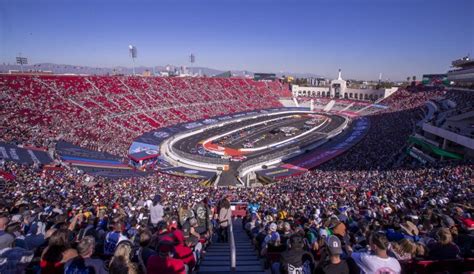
421	213
106	112
354	214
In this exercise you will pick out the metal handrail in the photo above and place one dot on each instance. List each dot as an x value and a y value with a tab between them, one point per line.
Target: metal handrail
233	259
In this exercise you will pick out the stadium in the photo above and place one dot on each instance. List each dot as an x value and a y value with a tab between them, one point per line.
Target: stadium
187	169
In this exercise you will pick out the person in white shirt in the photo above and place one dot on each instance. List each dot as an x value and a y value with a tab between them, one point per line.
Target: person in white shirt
156	211
377	262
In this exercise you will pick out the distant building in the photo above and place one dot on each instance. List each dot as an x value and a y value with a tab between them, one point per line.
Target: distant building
317	82
264	76
226	74
338	89
463	72
435	79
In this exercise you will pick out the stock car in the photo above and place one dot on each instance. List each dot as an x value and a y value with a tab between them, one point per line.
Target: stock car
238	158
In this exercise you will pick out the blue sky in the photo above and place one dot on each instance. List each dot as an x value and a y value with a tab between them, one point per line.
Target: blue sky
362	37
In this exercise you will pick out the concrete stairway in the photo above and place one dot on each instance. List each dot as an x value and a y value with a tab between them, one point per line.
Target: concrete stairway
217	259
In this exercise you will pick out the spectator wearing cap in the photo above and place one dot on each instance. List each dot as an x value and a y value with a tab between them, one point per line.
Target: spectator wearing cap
444	247
295	258
156	210
378	261
332	263
164	262
464	237
271	243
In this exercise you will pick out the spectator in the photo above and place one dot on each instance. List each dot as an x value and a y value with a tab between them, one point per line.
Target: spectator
57	252
121	262
6	240
378	261
225	216
333	264
295	259
113	238
85	250
156	211
164	263
145	252
443	247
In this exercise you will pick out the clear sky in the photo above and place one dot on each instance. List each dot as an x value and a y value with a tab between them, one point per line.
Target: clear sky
362	37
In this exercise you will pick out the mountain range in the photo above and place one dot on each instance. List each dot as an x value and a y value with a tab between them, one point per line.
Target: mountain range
72	69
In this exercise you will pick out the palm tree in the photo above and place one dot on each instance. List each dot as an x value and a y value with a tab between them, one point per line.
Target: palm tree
414	78
408	79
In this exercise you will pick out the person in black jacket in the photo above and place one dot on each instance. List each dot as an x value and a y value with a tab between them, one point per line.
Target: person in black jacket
295	259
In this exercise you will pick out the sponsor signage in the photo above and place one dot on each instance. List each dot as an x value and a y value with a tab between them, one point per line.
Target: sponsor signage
20	155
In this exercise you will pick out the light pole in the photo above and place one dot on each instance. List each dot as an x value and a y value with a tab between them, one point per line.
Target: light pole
192	59
133	53
21	61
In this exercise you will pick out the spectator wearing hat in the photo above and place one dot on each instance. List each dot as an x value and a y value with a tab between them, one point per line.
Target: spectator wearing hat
378	261
272	241
464	237
164	262
332	263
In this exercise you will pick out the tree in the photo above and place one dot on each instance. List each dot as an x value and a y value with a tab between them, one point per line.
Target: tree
408	79
414	78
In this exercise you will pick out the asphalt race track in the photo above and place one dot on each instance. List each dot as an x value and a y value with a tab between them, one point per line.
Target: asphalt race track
264	134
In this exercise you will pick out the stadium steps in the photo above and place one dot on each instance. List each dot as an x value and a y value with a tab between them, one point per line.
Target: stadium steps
347	107
217	259
329	106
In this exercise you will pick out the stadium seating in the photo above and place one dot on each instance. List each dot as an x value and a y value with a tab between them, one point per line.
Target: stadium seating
107	112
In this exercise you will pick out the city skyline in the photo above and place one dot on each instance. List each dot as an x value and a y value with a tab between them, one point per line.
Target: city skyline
363	37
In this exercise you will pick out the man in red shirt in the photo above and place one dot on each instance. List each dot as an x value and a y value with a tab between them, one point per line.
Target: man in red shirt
164	263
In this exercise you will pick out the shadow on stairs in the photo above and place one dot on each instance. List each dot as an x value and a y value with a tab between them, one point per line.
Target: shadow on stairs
217	259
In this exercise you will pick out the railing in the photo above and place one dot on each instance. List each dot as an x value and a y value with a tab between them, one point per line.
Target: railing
233	260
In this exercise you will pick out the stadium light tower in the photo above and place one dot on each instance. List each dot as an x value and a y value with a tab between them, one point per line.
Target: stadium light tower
192	59
133	54
21	61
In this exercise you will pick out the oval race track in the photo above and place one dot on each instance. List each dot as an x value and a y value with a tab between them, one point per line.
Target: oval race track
237	147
